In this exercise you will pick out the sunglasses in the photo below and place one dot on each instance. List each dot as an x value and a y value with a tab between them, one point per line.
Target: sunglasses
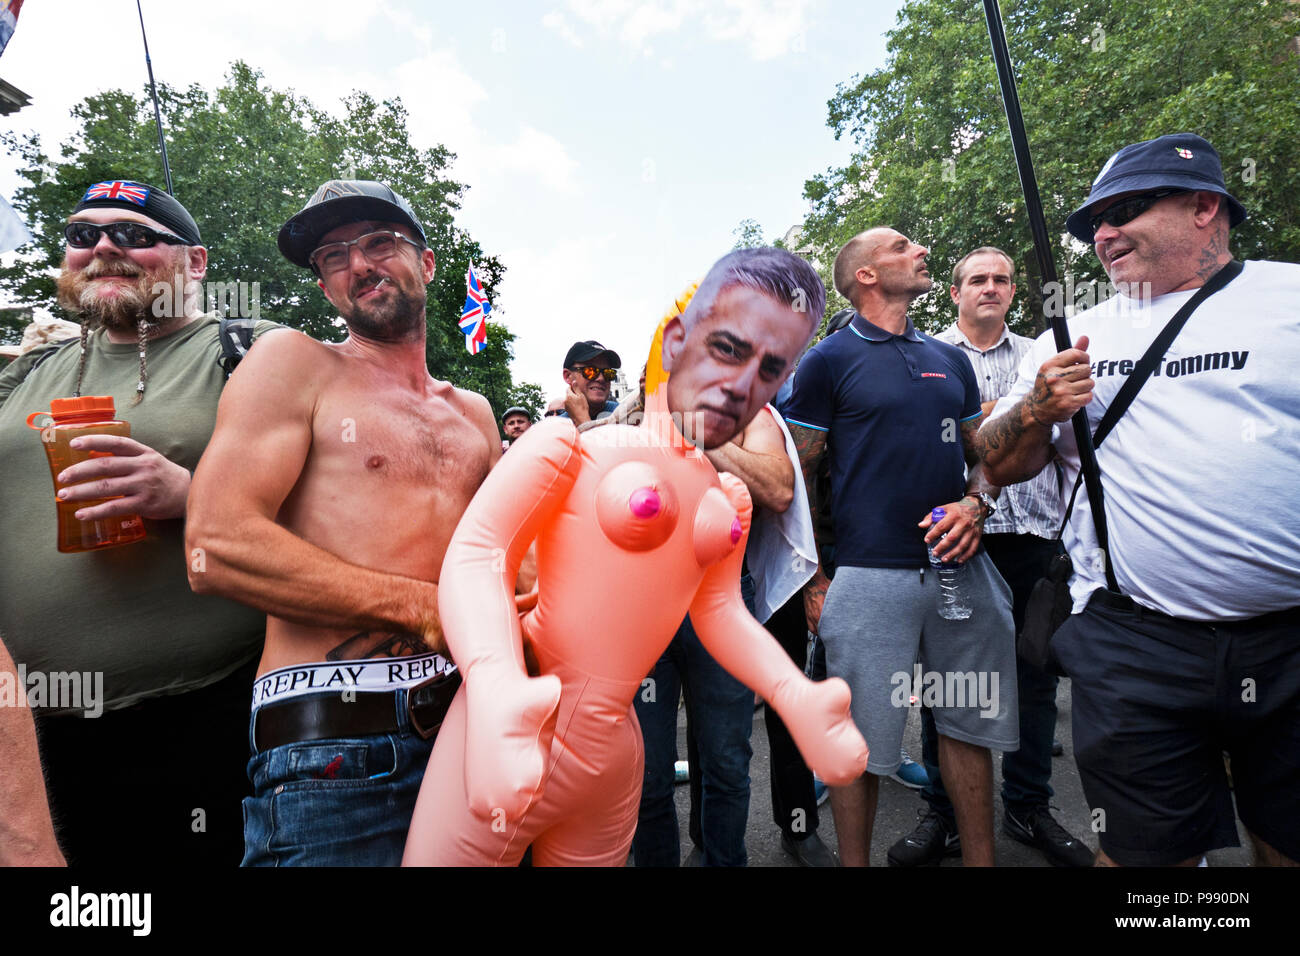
590	372
124	235
375	246
1126	210
552	413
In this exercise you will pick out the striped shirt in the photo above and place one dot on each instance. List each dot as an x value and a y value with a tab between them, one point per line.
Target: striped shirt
1033	506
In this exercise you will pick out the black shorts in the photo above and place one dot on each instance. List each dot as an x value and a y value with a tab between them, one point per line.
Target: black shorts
1156	702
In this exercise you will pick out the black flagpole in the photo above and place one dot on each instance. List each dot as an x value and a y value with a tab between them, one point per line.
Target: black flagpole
157	114
1038	226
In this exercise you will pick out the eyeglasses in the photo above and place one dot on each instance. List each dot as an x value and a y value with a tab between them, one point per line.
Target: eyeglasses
1126	210
552	412
124	235
375	246
590	372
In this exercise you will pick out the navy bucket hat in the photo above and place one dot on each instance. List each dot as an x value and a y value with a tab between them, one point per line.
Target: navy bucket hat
1176	161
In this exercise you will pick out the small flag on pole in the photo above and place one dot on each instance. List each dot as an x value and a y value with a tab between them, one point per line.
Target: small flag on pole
473	318
8	20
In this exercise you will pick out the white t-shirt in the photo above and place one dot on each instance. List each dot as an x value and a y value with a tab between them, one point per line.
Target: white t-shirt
1202	473
782	552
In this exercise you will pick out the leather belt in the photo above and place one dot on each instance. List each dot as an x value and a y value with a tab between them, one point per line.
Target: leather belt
1122	602
358	714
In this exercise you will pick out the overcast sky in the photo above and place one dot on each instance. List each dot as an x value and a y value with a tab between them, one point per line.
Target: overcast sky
610	146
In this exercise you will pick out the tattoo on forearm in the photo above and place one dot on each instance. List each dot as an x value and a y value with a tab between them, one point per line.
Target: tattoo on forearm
1000	433
368	644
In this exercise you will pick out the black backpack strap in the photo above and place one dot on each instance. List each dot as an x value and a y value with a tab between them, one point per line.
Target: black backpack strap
1141	372
46	353
236	337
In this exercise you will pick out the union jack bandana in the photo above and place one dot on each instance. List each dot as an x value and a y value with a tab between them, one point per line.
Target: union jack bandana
1185	153
117	189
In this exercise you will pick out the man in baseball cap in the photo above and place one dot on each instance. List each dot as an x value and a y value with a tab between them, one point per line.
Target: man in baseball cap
335	478
1181	644
589	368
514	423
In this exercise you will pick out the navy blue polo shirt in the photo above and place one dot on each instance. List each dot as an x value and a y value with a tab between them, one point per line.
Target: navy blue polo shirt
892	406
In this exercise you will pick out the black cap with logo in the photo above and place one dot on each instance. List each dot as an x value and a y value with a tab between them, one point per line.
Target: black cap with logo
337	203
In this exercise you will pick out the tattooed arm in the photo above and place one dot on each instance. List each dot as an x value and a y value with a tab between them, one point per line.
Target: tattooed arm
1016	446
811	445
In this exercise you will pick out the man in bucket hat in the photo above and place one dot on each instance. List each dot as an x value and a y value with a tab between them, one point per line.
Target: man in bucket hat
1195	653
335	478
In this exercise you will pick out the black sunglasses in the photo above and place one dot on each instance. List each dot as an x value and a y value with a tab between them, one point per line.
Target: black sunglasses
590	372
1126	210
124	235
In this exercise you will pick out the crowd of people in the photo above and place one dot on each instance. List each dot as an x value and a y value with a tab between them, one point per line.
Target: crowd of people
299	512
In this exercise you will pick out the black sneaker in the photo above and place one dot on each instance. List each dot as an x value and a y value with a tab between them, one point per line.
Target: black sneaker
1038	829
929	843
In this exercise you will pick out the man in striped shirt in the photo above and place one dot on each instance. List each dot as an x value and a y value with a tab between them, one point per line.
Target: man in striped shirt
1020	539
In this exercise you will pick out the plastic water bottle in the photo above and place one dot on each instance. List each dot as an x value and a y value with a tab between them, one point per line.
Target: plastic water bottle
954	602
70	418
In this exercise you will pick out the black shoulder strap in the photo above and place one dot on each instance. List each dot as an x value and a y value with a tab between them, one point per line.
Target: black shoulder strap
236	339
50	351
1141	372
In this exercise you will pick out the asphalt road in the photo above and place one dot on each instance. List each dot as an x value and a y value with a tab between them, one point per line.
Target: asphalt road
896	814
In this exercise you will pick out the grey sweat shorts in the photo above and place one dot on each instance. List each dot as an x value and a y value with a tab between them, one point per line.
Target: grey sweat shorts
884	636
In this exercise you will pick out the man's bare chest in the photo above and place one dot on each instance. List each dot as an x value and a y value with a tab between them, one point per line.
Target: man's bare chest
393	440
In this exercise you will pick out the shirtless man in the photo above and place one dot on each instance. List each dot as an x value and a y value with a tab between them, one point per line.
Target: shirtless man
327	496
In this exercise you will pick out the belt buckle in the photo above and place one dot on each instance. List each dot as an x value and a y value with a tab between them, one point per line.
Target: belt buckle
445	685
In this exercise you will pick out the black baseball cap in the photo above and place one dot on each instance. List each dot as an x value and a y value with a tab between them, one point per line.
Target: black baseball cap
146	200
337	203
582	353
516	410
1175	161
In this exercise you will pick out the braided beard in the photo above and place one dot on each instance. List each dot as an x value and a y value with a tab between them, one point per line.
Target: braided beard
119	306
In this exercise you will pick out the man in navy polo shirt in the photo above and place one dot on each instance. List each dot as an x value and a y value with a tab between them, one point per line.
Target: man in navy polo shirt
896	410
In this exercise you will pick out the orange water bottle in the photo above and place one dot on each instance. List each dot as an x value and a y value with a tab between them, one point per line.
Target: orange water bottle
71	418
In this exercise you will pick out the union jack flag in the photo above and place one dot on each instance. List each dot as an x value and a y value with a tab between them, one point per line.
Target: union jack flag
473	317
117	189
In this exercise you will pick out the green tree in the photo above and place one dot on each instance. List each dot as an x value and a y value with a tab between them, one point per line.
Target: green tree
748	235
933	154
244	159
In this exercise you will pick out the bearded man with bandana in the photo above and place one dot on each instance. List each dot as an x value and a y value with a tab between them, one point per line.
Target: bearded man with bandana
147	768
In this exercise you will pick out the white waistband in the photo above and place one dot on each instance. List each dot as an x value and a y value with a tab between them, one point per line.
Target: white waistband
376	673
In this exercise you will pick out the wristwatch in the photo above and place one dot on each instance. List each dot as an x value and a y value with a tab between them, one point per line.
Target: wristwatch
987	499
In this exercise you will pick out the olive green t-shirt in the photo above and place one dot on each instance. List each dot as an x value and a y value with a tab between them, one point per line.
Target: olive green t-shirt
126	611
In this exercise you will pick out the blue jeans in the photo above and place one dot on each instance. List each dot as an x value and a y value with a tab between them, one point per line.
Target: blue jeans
1021	560
343	801
720	713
